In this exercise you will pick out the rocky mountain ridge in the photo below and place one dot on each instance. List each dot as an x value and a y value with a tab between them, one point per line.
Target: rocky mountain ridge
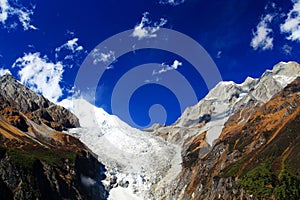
36	107
237	143
37	160
206	131
193	136
255	158
225	99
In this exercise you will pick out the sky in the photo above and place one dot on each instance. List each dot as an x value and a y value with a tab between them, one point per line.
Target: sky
46	44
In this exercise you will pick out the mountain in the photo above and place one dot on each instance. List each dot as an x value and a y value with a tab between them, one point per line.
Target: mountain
211	113
241	141
37	160
212	146
254	158
135	160
36	107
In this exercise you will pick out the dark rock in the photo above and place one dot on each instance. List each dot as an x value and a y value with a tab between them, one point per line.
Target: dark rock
205	118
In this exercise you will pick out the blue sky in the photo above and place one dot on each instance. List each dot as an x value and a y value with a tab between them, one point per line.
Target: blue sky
43	44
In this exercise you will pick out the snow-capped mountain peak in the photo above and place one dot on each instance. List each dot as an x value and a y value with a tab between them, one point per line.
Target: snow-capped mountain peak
133	158
139	160
228	97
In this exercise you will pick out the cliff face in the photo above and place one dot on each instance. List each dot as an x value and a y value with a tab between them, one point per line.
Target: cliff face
254	158
37	108
255	152
37	161
227	98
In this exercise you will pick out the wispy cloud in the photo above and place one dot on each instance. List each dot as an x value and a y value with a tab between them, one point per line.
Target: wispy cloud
291	26
41	75
146	29
219	54
22	13
165	68
262	36
287	49
107	57
70	53
4	71
71	45
172	2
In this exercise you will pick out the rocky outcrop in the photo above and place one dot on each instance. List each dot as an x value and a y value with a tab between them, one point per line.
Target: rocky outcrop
36	107
37	160
46	174
255	158
240	141
226	99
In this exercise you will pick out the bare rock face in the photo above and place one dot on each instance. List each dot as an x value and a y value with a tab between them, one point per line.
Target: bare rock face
34	106
237	134
37	160
226	99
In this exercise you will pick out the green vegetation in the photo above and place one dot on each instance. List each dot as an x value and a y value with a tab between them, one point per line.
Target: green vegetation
232	169
288	187
263	183
27	157
259	181
21	158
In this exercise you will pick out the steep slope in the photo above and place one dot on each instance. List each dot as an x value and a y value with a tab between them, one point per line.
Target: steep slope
211	113
36	107
256	158
37	161
135	160
184	165
258	141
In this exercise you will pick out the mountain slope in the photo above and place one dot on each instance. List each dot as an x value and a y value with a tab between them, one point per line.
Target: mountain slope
256	157
255	151
195	158
135	160
211	113
36	107
36	160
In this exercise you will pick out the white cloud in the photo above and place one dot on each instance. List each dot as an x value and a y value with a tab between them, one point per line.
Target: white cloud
291	26
108	57
172	2
41	75
4	71
145	30
22	13
287	49
70	53
262	37
166	68
79	48
4	10
176	64
219	54
71	45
